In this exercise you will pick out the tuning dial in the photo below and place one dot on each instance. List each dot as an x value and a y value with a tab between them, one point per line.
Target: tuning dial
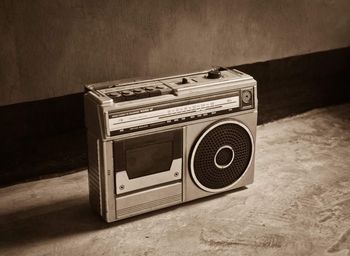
246	96
214	74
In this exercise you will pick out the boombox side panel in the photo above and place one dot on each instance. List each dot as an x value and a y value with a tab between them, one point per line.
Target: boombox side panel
101	178
107	181
94	176
93	116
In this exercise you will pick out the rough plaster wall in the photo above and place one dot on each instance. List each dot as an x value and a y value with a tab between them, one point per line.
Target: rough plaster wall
53	48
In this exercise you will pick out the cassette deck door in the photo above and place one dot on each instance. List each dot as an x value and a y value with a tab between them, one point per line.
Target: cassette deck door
148	160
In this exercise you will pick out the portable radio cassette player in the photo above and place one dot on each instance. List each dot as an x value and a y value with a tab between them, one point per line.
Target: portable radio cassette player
162	142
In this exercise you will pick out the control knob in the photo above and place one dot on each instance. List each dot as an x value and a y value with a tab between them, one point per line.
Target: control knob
214	74
184	80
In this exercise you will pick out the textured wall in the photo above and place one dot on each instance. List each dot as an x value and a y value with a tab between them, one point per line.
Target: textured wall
53	48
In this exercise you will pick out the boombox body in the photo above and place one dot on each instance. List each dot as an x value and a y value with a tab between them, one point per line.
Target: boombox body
162	142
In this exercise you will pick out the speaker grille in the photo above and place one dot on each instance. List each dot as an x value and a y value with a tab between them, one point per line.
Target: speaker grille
212	166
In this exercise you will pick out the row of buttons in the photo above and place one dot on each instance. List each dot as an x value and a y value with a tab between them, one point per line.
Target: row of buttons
139	93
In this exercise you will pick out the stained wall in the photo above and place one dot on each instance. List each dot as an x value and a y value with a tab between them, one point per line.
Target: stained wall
53	48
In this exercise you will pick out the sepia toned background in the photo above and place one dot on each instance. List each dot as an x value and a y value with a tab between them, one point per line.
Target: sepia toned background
53	48
298	51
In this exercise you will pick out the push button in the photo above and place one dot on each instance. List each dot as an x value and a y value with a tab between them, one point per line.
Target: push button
153	91
141	93
116	96
160	87
138	90
128	95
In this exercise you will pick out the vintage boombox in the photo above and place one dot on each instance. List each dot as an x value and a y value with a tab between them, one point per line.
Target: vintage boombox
162	142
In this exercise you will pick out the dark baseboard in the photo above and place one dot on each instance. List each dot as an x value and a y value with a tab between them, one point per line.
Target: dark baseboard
297	84
47	138
42	138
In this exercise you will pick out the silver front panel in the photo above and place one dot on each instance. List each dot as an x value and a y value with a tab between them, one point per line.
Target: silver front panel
149	200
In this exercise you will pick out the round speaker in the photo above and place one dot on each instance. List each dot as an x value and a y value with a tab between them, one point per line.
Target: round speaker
220	156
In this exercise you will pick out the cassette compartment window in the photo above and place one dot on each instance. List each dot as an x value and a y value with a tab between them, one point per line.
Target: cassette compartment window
146	155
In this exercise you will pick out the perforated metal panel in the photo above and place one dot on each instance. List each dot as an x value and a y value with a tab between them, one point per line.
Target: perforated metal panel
221	155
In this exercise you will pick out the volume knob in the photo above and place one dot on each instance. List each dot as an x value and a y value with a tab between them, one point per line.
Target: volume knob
214	74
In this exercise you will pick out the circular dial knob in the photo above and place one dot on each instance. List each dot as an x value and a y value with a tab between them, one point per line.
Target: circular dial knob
214	74
184	80
246	96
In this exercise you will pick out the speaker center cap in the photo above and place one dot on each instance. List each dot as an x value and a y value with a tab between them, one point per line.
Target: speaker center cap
224	157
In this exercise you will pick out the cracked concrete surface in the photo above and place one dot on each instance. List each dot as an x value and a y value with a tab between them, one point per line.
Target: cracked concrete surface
298	205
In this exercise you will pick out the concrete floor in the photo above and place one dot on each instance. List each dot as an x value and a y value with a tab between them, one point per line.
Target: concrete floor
298	205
